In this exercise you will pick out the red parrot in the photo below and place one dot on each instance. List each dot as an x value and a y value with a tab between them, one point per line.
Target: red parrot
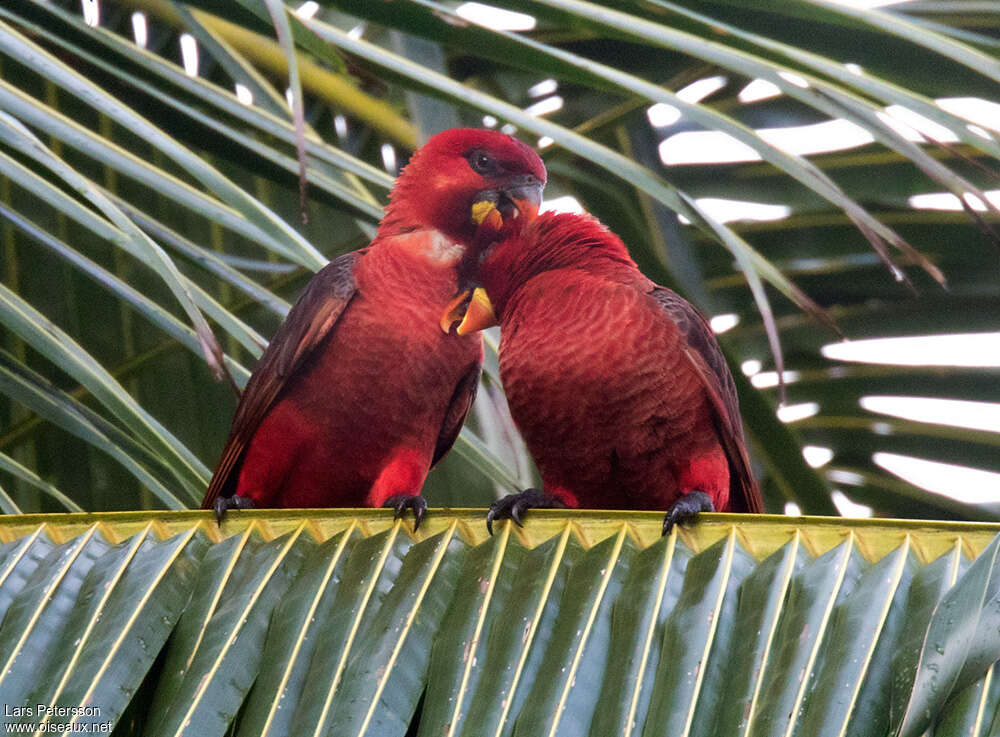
359	392
617	384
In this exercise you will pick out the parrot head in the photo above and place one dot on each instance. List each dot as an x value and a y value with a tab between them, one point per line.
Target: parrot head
466	183
463	177
525	248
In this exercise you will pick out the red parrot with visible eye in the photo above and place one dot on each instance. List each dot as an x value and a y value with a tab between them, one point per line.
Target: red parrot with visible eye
359	392
617	384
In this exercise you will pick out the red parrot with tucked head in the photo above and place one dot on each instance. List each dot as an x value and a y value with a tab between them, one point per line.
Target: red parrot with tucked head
617	384
359	392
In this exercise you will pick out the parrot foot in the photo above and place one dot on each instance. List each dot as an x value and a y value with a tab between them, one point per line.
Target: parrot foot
402	502
224	503
686	508
513	506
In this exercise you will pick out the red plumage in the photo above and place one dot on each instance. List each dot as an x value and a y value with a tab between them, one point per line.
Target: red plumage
360	392
618	385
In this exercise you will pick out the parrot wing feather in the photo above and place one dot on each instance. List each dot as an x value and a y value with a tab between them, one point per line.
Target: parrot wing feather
310	320
705	355
458	408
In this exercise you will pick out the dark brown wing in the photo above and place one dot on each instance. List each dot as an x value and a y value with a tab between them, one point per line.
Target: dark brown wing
309	321
705	355
458	408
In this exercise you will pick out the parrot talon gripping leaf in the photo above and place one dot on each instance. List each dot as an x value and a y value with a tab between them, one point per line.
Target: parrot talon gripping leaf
224	503
402	502
513	506
686	508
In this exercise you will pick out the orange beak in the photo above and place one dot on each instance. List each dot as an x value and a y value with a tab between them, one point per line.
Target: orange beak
479	315
455	311
475	312
489	221
526	197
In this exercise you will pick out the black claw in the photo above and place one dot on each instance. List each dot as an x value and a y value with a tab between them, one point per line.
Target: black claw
686	508
513	506
402	502
224	503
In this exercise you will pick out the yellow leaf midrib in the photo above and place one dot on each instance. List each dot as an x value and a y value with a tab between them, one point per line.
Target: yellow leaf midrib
588	625
209	677
297	647
131	621
137	542
76	550
408	624
498	559
668	561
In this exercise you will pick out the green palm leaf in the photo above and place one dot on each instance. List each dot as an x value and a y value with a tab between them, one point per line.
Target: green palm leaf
184	227
344	624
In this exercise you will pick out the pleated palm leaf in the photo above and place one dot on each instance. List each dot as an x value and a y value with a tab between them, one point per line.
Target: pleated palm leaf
583	623
146	203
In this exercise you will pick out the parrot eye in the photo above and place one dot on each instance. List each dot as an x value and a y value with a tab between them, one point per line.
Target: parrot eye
482	163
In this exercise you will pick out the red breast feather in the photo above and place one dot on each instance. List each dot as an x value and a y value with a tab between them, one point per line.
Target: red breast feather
372	396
